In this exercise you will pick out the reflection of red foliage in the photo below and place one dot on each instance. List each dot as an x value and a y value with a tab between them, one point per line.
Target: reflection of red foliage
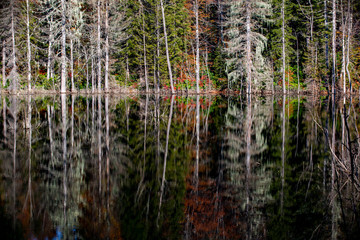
207	216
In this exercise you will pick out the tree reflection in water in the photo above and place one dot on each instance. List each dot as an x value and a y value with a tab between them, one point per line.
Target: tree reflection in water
157	167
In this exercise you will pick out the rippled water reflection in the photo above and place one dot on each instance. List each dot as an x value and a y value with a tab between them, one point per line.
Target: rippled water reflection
201	167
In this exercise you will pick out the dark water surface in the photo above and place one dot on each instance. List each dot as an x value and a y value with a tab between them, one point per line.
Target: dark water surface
150	167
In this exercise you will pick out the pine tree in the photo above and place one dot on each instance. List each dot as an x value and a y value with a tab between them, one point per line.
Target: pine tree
247	43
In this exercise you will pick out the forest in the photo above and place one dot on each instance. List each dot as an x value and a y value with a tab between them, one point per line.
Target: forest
178	46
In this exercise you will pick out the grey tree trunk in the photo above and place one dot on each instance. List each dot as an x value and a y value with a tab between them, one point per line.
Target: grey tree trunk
157	84
28	45
326	45
283	44
333	46
14	70
72	63
197	70
343	44
92	72
107	46
49	72
248	48
348	49
98	45
63	47
167	48
3	65
297	63
87	71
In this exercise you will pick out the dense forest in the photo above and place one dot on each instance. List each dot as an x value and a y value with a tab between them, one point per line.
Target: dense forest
184	45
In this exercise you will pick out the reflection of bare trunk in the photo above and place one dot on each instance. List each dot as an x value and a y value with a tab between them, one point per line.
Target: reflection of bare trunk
297	125
107	140
4	119
50	133
72	125
64	149
158	130
197	140
248	162
99	142
28	127
333	189
166	151
282	156
14	112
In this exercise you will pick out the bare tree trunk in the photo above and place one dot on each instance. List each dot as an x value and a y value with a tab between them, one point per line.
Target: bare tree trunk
107	46
14	70
98	44
283	44
326	45
343	64
72	63
63	47
28	45
297	62
157	50
348	47
87	71
144	46
3	65
333	46
167	48
92	72
248	48
197	70
49	73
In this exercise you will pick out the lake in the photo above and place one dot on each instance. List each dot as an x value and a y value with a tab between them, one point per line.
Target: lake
196	167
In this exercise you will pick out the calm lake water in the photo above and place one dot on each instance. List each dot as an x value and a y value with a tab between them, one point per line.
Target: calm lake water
156	167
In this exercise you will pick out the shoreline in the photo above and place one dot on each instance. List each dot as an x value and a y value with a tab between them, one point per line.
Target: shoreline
127	91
